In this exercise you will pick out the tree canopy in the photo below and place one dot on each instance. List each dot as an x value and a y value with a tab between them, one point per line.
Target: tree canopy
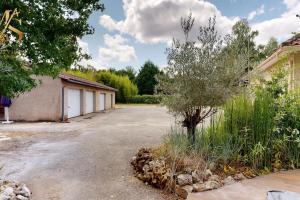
200	75
145	79
50	43
242	41
126	89
127	71
268	49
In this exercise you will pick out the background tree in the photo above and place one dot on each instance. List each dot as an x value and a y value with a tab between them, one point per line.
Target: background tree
145	80
268	49
126	89
128	71
51	30
242	41
199	77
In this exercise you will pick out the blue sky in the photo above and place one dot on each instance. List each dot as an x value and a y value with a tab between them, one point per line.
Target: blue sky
129	32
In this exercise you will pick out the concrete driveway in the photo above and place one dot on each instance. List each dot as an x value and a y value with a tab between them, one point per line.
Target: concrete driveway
254	189
87	159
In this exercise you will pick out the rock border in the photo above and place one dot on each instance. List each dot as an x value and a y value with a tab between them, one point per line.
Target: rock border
157	173
10	190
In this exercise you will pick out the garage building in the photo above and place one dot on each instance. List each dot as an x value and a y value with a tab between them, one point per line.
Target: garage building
62	98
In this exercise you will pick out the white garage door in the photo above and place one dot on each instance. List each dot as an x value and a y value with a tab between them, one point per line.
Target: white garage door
73	103
102	102
89	102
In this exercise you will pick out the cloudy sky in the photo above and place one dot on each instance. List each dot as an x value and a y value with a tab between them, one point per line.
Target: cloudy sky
129	32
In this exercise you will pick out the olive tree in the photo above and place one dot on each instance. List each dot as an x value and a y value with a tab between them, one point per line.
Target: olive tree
200	75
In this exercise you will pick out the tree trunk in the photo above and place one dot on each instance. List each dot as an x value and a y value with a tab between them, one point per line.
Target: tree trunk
191	123
191	129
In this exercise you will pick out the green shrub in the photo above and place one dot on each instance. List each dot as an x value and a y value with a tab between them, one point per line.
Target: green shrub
126	89
261	132
144	99
89	75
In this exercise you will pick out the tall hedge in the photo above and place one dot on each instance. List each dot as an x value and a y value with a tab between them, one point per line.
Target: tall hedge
126	89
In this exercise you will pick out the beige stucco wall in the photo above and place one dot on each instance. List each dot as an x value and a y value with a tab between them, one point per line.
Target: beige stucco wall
45	102
296	76
109	103
84	89
42	103
293	68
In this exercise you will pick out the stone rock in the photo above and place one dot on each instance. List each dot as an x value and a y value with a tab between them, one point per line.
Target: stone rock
229	180
198	187
239	177
9	191
133	159
184	179
7	194
188	170
4	197
180	192
208	185
207	174
146	168
214	178
1	182
23	191
20	197
188	188
197	177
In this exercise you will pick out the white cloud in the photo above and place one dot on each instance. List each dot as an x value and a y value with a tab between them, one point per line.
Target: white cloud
108	22
117	49
281	27
83	45
291	3
158	21
155	21
257	12
85	49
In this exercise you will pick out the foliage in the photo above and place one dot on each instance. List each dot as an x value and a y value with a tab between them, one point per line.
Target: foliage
144	99
128	71
268	49
126	88
145	79
261	132
242	41
86	74
200	75
51	30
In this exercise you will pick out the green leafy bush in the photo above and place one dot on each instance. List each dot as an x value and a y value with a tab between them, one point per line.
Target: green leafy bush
126	89
89	75
144	99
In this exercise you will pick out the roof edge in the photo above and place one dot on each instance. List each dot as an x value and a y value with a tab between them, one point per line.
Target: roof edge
78	80
276	56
